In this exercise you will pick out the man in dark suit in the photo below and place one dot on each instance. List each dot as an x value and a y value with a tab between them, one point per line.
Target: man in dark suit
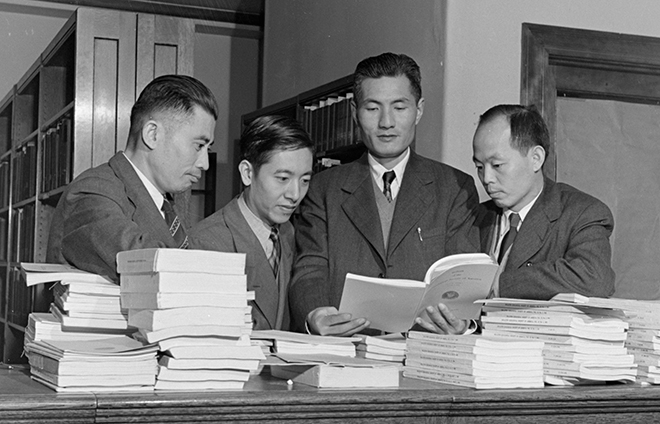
138	199
548	237
391	214
275	168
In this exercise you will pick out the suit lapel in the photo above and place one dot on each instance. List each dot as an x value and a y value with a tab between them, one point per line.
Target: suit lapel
263	282
360	206
535	227
146	213
415	196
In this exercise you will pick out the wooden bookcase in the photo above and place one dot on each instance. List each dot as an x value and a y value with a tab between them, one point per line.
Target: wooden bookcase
325	112
69	112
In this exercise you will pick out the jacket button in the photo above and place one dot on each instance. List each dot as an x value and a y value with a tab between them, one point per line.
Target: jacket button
381	275
528	264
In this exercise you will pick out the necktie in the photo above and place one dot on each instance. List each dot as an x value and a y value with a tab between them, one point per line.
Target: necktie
514	220
275	255
388	177
176	229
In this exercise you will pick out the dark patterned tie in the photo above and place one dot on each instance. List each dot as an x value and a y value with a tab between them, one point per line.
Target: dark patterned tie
514	220
388	177
176	228
275	255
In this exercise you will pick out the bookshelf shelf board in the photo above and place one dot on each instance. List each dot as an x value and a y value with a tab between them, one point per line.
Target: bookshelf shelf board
24	202
4	210
30	137
53	196
49	123
15	326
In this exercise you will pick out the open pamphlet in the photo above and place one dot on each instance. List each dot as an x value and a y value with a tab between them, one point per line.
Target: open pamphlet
391	305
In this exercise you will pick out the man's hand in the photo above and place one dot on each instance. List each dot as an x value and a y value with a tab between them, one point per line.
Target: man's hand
442	321
327	321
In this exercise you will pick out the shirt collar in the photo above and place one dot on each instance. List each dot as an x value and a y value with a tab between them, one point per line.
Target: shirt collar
377	171
523	212
258	226
155	194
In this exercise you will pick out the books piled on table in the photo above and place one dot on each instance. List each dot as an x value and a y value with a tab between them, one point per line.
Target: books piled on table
194	304
81	300
324	361
388	348
474	360
583	344
286	342
643	338
117	363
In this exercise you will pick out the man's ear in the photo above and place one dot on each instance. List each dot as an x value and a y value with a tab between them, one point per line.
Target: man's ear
246	170
151	131
420	110
538	158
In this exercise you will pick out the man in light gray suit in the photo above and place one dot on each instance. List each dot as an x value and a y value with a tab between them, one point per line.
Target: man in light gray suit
390	214
139	198
275	168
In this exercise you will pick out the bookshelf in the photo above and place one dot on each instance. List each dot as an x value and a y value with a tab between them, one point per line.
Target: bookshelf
325	113
69	112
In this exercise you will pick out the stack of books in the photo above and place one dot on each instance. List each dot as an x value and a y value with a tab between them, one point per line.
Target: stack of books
643	341
194	304
389	348
81	300
583	345
117	363
474	361
324	361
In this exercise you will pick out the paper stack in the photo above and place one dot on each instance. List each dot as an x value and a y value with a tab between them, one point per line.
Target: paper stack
324	361
474	361
82	301
117	363
389	347
583	345
643	341
194	304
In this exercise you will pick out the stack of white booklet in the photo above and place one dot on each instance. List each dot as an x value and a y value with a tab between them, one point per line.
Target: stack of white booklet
117	363
474	361
324	361
643	341
194	304
583	344
82	301
389	347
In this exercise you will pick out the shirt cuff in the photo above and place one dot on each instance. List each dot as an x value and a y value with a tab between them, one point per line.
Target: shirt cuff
472	327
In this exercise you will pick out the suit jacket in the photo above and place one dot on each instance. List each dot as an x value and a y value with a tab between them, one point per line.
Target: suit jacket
562	245
106	210
339	229
228	231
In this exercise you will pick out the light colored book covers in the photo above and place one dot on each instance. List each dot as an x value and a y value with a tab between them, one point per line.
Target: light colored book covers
161	300
474	360
110	364
389	347
583	343
286	342
333	371
160	319
167	283
392	305
147	261
37	273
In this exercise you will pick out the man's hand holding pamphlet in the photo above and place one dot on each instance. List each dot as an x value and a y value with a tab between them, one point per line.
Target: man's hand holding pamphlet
391	305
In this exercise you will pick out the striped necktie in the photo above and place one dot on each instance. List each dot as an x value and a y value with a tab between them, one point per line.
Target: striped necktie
176	228
275	255
388	177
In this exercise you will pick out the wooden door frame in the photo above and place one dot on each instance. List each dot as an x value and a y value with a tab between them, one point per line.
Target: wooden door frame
559	61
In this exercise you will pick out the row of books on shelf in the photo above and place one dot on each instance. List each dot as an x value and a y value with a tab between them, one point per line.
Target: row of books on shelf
24	169
330	123
4	183
57	151
23	227
19	295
